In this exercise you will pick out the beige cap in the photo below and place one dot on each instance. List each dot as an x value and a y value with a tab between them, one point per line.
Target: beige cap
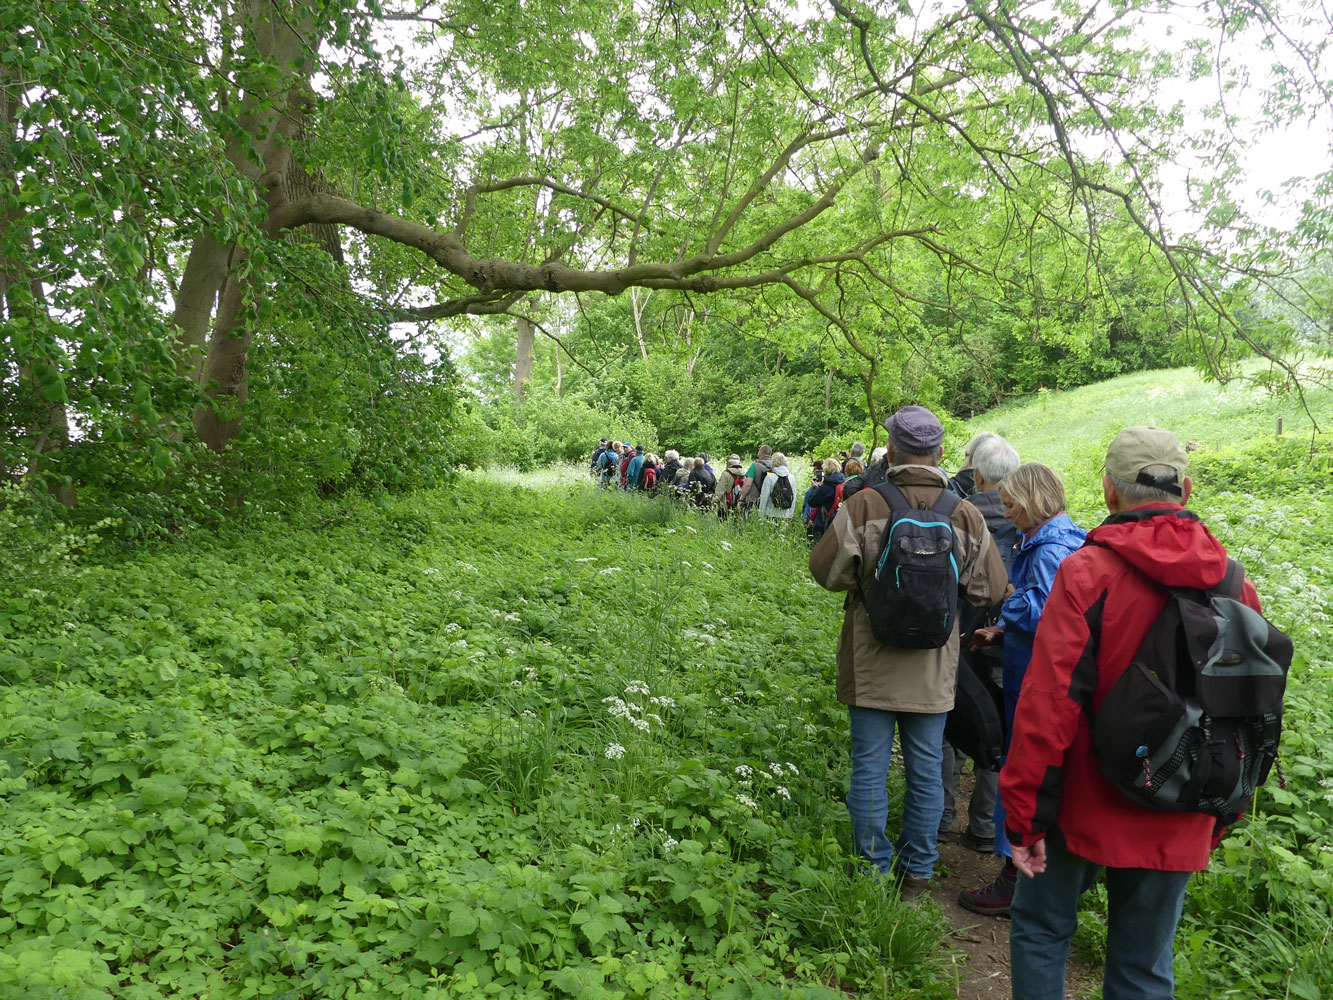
1135	448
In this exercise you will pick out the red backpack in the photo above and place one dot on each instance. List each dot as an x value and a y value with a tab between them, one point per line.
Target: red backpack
649	478
832	508
733	497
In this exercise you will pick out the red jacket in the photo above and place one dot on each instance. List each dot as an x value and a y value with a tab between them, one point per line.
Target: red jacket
1101	605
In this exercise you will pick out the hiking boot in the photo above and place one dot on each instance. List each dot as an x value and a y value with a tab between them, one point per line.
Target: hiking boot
972	842
994	900
912	886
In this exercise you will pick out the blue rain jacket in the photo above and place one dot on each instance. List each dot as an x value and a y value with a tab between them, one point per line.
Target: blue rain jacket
1032	574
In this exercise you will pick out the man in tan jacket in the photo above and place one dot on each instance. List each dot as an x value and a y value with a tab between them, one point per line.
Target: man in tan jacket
886	687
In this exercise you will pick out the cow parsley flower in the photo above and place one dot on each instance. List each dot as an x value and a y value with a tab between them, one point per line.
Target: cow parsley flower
513	616
430	571
725	544
669	845
783	792
745	800
636	687
614	751
608	571
586	559
744	770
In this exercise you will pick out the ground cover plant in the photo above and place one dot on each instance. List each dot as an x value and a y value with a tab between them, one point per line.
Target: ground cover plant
489	741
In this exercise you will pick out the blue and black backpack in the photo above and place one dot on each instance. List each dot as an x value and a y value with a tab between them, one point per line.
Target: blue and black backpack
912	599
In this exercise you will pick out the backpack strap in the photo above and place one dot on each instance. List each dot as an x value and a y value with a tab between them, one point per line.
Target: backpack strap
945	504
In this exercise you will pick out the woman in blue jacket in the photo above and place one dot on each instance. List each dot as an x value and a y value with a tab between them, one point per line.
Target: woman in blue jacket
1034	500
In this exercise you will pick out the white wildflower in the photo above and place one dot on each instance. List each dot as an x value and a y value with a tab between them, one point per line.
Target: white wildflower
691	530
636	687
635	822
529	672
529	713
467	566
783	792
513	616
654	717
669	531
725	544
669	845
685	562
608	571
430	571
587	559
459	644
515	684
509	652
640	724
745	800
776	769
744	770
792	768
810	730
453	627
662	701
614	751
708	565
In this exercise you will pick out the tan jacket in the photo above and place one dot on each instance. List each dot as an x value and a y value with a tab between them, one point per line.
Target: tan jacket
871	674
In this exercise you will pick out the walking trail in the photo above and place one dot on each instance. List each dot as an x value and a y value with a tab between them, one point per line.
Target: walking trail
985	940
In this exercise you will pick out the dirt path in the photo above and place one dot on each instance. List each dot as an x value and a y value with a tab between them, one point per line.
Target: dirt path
985	940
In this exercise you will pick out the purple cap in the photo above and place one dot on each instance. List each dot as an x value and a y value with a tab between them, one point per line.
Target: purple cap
916	431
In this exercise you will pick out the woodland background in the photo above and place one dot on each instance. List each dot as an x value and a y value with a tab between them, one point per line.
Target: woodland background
263	249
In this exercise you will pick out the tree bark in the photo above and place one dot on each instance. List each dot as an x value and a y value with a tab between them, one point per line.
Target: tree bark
523	360
828	397
637	309
269	122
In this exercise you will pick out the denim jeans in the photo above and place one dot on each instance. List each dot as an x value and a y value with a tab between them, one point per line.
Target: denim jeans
980	806
919	737
1002	849
1143	909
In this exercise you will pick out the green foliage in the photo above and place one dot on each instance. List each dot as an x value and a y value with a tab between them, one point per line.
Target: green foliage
490	740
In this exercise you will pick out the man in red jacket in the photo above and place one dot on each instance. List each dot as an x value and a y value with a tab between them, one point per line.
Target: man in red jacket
1065	821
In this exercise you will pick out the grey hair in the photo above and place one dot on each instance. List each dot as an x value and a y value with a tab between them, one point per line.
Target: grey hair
858	449
970	449
878	454
1137	494
994	459
672	455
779	459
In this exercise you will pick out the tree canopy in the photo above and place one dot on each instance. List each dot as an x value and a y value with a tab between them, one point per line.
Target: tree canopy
219	216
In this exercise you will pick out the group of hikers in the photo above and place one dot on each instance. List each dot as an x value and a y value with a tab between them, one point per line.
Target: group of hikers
981	580
765	488
981	619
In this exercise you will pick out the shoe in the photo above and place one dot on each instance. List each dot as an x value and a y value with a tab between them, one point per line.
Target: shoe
974	843
910	886
995	899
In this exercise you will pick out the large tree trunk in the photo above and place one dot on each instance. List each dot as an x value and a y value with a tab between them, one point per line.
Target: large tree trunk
24	298
523	359
269	121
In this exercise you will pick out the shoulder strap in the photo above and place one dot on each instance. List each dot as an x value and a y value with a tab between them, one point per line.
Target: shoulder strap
892	496
946	503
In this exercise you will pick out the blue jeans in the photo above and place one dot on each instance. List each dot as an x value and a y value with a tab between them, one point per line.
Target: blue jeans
1002	849
1143	909
920	736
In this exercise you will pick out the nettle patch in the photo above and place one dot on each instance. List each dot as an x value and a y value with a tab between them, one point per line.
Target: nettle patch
483	742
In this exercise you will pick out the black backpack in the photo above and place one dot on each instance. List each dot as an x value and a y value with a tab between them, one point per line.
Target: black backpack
1194	722
782	495
912	599
975	725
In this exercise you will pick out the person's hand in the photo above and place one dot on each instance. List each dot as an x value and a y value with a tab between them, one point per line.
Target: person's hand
987	635
1030	859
